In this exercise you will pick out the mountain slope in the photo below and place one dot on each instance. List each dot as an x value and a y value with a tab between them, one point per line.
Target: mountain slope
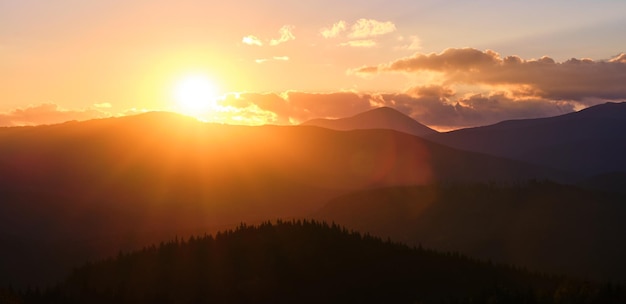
540	225
92	187
591	141
610	182
380	118
306	262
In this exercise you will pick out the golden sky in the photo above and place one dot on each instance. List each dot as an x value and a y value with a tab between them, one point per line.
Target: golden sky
448	64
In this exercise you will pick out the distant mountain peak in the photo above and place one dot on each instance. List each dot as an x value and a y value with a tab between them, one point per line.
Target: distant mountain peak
608	109
378	118
383	110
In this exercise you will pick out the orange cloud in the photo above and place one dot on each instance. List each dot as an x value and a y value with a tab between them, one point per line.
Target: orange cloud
574	79
306	106
48	113
436	106
296	107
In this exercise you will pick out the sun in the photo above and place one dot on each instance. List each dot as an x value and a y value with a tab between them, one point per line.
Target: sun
195	94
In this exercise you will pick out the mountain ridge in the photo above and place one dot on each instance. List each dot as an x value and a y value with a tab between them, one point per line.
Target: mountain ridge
589	142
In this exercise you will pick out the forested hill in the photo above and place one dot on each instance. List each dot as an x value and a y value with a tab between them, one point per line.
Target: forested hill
541	225
307	262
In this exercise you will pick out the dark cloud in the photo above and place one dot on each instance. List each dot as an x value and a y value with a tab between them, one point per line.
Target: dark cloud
432	91
48	113
448	60
575	79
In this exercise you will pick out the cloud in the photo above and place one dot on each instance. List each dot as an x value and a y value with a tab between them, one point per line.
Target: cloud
411	43
363	71
285	35
104	105
252	40
296	107
305	106
364	33
619	58
275	58
432	91
415	43
582	80
335	30
364	28
359	43
437	106
47	113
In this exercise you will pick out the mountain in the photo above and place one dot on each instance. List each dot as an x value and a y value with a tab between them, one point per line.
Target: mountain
379	118
610	181
589	142
307	262
79	190
540	225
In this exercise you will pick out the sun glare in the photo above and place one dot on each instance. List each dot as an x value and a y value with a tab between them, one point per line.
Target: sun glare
195	94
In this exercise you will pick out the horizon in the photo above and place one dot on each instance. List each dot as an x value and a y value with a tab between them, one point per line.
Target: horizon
305	123
283	63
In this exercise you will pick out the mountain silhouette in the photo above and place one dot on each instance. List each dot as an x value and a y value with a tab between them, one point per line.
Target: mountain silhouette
379	118
589	142
540	225
307	262
79	190
610	181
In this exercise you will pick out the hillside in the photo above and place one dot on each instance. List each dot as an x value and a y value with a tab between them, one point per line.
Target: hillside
540	225
306	262
589	142
82	189
614	181
379	118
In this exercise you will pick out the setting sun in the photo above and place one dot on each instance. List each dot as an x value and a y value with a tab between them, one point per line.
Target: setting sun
194	93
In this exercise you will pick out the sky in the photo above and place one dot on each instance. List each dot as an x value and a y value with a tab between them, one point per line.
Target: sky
448	64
